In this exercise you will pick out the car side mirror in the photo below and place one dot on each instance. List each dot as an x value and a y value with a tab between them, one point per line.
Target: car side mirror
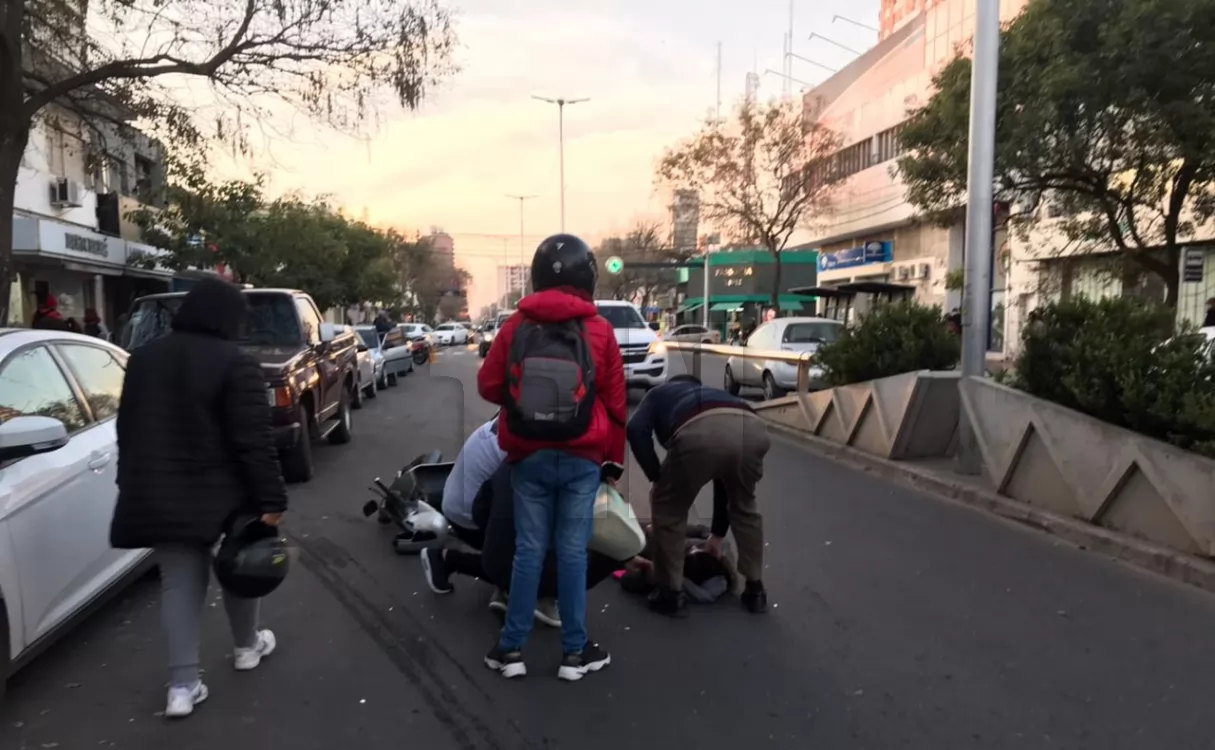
654	326
328	332
29	436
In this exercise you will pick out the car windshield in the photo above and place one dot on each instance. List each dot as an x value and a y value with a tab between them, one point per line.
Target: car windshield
272	321
370	338
621	316
812	333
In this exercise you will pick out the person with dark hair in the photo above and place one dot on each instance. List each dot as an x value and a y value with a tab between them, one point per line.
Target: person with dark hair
1209	320
93	325
556	370
194	451
709	436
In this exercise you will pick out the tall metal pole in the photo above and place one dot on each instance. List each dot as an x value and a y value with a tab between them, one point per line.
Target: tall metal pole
522	246
976	304
561	102
717	118
705	315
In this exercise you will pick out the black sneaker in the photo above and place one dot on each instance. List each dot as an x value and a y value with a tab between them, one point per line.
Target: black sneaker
755	598
507	663
434	567
670	603
591	659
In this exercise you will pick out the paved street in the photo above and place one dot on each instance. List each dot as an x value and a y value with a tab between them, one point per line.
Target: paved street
898	621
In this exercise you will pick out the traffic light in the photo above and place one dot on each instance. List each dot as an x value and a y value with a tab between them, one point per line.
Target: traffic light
614	264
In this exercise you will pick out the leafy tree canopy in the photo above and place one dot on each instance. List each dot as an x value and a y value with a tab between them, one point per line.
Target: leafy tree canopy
1106	108
760	177
642	244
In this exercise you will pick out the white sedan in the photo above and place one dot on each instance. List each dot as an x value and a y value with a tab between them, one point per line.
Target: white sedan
59	395
450	334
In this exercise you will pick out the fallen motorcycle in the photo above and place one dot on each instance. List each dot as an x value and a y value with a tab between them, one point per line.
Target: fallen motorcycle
412	502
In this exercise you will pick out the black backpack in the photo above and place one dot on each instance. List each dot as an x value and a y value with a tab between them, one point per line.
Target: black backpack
550	381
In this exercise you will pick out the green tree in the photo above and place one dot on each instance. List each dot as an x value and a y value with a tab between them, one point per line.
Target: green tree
334	59
1106	109
761	177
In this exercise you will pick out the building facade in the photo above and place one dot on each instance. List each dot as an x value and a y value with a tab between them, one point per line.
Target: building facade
512	279
872	237
740	286
71	238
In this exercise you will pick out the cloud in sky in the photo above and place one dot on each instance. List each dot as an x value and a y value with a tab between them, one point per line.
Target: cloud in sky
648	69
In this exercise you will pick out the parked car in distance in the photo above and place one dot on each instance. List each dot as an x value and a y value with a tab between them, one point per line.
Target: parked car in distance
693	334
310	367
421	340
371	365
451	334
59	396
777	378
644	354
398	359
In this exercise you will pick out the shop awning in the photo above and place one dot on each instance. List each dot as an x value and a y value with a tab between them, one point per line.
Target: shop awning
690	308
725	306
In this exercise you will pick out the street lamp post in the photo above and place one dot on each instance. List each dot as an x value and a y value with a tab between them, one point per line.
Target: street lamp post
522	249
561	102
976	300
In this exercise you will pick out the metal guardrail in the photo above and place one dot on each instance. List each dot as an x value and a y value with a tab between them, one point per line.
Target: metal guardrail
803	360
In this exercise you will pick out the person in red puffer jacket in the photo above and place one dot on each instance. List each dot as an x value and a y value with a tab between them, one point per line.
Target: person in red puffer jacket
556	370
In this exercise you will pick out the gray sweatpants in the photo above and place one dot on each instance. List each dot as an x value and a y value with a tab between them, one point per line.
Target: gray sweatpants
185	572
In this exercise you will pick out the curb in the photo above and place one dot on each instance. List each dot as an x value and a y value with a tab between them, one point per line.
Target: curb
1163	561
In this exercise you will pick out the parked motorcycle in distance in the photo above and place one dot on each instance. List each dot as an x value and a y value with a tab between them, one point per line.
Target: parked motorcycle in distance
412	502
421	350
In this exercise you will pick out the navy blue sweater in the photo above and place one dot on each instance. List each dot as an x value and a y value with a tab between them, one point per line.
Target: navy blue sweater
660	415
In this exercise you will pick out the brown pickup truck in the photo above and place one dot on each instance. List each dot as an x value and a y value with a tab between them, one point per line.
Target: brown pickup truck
310	366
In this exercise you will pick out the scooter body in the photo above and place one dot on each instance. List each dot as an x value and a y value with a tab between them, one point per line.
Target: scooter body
412	503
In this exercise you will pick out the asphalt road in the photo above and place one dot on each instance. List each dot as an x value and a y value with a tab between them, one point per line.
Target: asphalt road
898	621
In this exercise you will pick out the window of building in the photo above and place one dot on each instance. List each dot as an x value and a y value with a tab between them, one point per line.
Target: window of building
889	144
1001	258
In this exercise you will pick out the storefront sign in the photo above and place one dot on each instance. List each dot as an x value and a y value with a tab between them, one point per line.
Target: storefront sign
87	245
1195	261
867	254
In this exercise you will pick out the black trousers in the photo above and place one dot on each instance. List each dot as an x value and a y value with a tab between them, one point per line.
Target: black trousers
466	563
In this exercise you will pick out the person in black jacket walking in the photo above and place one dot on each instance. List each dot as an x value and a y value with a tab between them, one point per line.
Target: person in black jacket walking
194	449
709	436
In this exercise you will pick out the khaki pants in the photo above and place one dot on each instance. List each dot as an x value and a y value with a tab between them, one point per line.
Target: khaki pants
722	445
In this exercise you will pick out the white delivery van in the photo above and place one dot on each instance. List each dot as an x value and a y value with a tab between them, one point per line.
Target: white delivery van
644	354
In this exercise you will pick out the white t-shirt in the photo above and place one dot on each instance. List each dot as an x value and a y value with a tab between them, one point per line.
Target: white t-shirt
478	460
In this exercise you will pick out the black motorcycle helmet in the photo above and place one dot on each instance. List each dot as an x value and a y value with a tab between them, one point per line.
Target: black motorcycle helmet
564	260
252	558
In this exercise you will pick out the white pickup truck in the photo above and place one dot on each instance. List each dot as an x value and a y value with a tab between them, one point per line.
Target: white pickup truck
644	354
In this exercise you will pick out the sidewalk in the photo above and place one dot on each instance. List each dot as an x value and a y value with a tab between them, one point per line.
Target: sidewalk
328	687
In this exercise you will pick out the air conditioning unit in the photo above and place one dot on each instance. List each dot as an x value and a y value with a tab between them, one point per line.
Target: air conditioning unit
923	271
904	273
65	193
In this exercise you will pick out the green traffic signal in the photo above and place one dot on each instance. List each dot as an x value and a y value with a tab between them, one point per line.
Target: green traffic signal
614	264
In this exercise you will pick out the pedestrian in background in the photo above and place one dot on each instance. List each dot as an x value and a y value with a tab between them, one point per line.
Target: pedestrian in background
709	436
195	449
93	325
47	317
556	370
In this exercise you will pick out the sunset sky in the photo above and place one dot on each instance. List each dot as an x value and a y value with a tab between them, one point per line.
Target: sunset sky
649	69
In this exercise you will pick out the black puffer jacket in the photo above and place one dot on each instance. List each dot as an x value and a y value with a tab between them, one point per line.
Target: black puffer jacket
194	440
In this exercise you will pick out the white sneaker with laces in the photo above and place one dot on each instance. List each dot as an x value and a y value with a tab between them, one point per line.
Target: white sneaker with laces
245	659
182	700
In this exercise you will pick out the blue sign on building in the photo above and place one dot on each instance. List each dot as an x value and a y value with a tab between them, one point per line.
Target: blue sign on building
870	252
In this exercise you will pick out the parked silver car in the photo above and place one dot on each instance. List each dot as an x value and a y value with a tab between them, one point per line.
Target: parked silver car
776	378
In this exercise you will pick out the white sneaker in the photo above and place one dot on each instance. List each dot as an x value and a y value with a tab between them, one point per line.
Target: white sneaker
547	613
182	700
245	659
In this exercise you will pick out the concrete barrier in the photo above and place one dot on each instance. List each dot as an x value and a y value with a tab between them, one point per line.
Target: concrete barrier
904	417
1068	463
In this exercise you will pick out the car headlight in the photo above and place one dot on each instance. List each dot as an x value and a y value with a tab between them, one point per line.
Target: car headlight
657	347
488	337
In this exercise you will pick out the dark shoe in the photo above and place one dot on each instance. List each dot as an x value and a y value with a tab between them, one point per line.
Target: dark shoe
670	603
635	582
435	569
591	659
507	663
754	598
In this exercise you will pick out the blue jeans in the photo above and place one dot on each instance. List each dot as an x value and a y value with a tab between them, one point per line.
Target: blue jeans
554	503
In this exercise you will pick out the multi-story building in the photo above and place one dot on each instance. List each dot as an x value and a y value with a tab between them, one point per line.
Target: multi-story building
512	279
872	245
77	182
443	247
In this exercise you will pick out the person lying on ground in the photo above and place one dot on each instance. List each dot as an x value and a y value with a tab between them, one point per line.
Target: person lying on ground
494	511
709	572
709	436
